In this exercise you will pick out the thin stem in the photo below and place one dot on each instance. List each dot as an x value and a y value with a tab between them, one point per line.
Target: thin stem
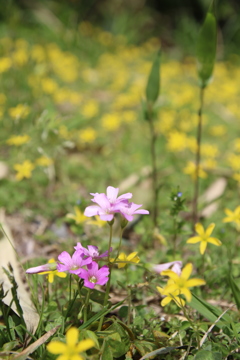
86	306
154	167
193	326
198	159
120	243
109	280
129	297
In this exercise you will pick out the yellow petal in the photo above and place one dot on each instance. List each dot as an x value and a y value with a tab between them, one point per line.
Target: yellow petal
203	246
85	345
186	272
160	290
131	256
195	282
194	240
209	229
199	229
75	357
214	241
228	212
122	257
72	336
179	301
187	294
61	274
51	278
166	301
171	274
56	347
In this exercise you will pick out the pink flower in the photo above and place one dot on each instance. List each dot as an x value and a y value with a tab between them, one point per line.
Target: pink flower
112	194
72	264
176	267
92	251
130	209
94	276
104	208
42	268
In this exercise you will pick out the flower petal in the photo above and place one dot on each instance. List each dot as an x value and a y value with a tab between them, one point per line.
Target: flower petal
199	229
56	347
166	300
194	240
187	294
85	345
72	336
209	229
195	282
186	271
214	241
203	247
92	210
112	194
171	274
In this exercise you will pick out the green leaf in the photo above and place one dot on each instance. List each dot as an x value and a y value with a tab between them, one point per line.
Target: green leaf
118	339
210	312
207	355
235	290
206	49
144	347
107	352
153	84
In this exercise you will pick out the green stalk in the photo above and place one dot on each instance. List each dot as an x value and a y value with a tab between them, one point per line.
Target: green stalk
86	305
154	166
110	271
198	159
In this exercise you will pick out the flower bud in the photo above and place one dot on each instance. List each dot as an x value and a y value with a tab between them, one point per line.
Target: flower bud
42	268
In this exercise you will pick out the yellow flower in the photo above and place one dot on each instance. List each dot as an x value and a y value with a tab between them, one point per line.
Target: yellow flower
24	170
204	237
90	109
5	64
190	169
52	274
131	258
177	141
234	162
18	140
20	111
49	86
79	217
44	161
111	121
72	349
87	135
169	296
233	216
180	284
218	130
98	222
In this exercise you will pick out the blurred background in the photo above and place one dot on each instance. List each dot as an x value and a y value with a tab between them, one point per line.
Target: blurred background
176	22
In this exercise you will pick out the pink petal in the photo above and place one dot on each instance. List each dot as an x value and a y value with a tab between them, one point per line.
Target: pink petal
112	194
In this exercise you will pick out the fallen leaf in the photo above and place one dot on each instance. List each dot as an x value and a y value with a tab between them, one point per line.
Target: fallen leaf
8	256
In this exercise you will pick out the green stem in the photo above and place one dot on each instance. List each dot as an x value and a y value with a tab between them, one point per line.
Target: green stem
198	159
193	326
174	237
86	305
110	271
154	167
120	243
129	297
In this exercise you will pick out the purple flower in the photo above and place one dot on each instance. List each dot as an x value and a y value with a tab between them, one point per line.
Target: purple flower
94	276
42	268
112	194
72	264
92	251
104	209
176	267
130	209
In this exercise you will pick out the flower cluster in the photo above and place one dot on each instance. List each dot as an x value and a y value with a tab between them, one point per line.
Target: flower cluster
178	285
110	204
82	263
